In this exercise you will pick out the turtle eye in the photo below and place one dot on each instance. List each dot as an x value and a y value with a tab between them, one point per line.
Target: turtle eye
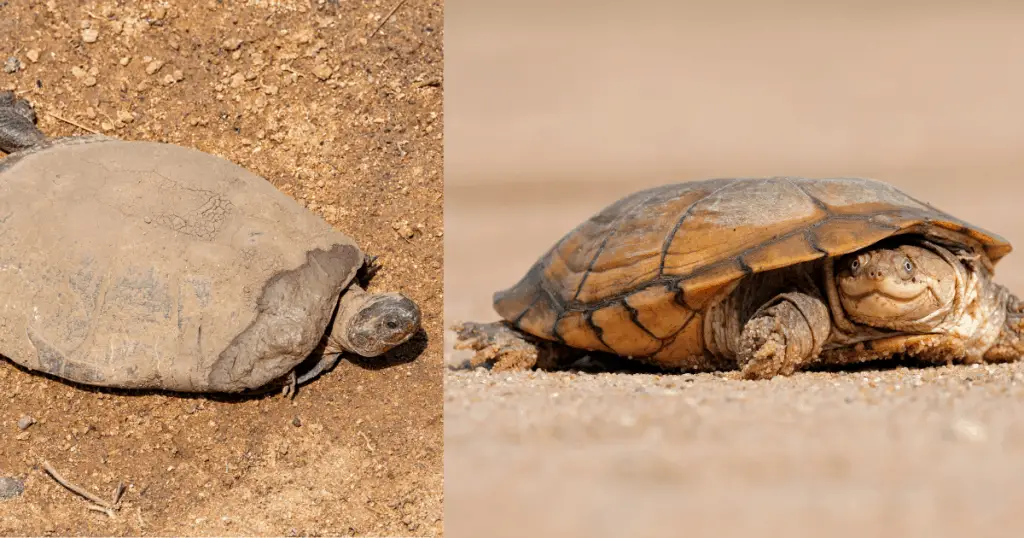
908	267
857	263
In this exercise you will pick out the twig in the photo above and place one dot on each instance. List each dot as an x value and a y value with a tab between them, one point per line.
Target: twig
100	504
118	493
76	124
367	439
385	21
94	508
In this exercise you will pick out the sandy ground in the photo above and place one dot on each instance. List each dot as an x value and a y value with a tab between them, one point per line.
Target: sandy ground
349	124
554	112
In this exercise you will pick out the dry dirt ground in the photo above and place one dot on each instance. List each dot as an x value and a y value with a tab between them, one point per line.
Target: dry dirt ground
586	104
348	123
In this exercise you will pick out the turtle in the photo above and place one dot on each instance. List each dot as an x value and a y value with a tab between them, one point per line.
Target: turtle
146	265
762	276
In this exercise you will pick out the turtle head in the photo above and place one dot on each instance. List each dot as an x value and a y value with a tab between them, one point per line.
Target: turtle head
904	287
371	324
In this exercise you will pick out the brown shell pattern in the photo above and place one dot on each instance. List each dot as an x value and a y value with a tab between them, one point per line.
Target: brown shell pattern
634	279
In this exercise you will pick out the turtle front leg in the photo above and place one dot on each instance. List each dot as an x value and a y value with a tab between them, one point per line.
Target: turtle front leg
784	335
17	124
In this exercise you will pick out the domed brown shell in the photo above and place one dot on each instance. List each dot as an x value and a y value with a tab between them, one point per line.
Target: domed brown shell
635	278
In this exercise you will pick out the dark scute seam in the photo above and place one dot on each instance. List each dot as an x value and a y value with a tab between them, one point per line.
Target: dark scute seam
814	199
679	223
810	239
671	339
536	297
554	328
625	215
589	317
634	316
590	266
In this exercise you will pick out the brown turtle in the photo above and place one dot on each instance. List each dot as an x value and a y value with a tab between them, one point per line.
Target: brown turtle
152	266
767	276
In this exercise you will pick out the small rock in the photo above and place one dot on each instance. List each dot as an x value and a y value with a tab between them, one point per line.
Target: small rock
323	72
125	60
168	79
154	66
13	64
89	81
178	75
10	487
125	116
404	229
296	421
270	89
25	422
33	55
232	43
237	80
78	72
90	35
304	36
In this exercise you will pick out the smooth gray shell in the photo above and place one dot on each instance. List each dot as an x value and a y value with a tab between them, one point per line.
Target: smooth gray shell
147	265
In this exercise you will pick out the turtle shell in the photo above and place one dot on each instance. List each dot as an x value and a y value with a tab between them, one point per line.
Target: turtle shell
147	265
636	277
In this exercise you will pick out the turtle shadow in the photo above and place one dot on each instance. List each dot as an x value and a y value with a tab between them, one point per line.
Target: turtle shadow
403	354
604	363
880	365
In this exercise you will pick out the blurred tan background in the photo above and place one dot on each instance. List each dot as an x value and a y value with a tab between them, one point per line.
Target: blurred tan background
556	109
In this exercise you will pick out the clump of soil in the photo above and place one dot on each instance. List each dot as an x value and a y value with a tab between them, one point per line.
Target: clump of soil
342	116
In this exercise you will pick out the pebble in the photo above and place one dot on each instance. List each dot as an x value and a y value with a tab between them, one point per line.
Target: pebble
25	422
154	66
231	44
90	35
12	65
10	487
323	72
296	421
33	55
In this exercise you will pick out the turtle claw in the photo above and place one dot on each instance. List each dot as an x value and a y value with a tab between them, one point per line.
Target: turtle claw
291	387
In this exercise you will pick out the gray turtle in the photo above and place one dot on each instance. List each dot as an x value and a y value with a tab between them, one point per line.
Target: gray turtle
152	266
